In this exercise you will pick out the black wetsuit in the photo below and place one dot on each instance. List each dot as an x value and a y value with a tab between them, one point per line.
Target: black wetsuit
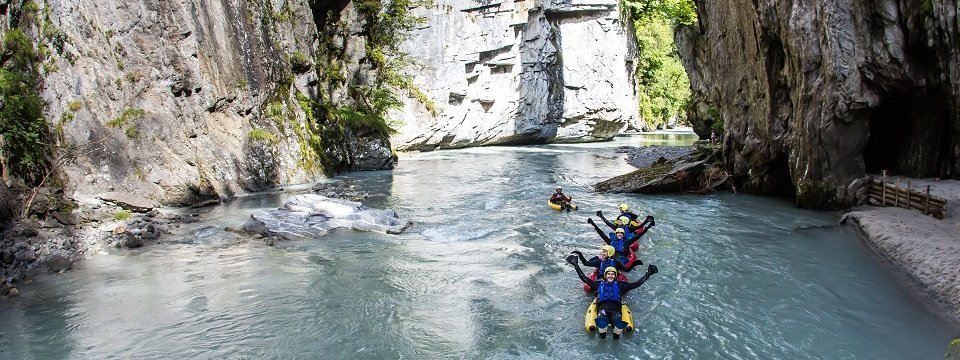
595	262
627	241
639	231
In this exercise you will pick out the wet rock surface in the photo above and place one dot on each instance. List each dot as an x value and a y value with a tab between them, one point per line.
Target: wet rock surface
812	95
668	169
310	216
641	157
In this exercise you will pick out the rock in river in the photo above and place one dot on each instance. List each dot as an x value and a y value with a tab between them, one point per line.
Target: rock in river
309	216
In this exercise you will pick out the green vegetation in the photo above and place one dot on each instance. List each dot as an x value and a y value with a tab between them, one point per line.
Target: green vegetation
75	105
663	86
926	7
25	132
262	136
127	115
299	62
65	118
121	215
329	122
132	132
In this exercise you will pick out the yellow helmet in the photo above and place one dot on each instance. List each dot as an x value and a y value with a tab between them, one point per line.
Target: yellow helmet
609	250
609	269
619	231
624	220
624	207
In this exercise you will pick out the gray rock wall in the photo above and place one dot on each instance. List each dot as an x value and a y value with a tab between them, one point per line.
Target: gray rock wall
815	94
192	78
519	72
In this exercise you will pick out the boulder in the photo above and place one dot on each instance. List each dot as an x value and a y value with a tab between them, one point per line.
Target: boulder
128	201
57	262
311	216
66	218
29	231
661	177
131	241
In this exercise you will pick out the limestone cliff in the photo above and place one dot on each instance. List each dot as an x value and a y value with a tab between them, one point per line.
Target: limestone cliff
815	94
180	100
529	71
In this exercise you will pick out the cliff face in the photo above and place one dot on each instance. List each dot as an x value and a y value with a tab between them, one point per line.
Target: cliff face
813	95
182	100
526	71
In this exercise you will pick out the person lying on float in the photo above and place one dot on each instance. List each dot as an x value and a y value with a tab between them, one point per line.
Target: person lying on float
606	259
633	226
609	293
620	241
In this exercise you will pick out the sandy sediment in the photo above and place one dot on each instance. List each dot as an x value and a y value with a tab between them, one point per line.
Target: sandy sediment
924	249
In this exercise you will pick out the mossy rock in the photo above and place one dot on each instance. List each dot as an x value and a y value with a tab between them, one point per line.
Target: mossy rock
953	350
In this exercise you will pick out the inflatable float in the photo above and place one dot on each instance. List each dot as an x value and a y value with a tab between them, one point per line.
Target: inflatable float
590	318
557	207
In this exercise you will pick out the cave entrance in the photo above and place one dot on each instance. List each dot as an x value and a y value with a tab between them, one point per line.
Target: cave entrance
910	136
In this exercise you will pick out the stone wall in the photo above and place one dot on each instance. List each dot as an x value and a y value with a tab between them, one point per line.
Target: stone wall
815	94
178	101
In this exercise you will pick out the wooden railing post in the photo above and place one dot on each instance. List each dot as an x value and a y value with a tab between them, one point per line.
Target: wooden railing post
908	193
926	205
883	184
896	198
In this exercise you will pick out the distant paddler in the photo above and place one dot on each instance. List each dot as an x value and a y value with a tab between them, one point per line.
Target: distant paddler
558	201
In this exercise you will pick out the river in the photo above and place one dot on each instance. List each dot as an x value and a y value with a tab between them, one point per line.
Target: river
482	276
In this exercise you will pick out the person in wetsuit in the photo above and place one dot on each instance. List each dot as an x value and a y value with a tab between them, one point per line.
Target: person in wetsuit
605	260
623	220
560	199
625	211
618	240
609	293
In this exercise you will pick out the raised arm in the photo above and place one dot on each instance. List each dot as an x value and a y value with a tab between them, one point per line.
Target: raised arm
652	269
605	221
605	238
584	278
583	260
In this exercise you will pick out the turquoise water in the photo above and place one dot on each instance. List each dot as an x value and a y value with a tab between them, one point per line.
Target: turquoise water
482	276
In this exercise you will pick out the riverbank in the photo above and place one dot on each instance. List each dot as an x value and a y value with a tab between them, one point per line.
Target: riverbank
53	244
922	249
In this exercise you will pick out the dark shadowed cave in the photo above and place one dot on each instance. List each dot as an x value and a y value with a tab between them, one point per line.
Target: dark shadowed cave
910	135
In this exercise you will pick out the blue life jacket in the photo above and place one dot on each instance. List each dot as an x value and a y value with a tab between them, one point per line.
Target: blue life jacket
607	263
617	244
608	291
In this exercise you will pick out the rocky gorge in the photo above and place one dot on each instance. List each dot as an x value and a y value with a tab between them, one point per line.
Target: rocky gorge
520	72
188	103
814	95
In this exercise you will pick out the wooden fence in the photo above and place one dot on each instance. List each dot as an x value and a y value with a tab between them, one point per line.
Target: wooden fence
882	193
